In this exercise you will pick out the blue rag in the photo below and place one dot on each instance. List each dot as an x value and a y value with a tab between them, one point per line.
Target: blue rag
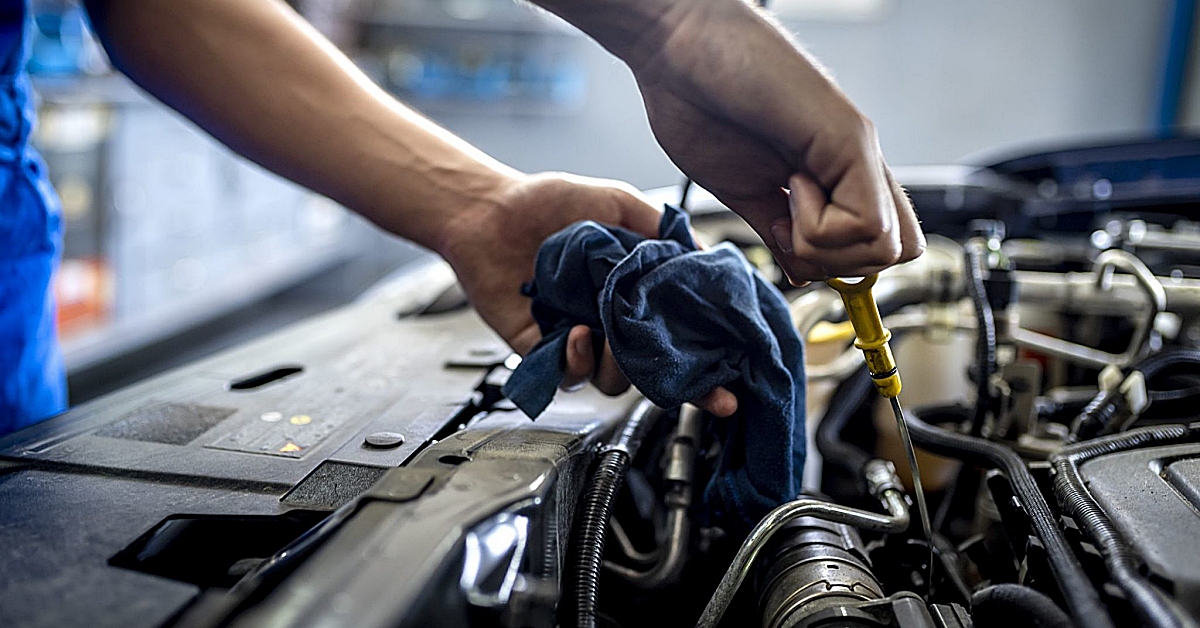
680	322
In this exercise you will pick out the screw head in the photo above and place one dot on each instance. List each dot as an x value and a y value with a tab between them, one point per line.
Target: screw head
384	440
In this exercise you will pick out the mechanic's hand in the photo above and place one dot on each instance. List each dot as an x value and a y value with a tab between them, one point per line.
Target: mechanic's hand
493	253
743	111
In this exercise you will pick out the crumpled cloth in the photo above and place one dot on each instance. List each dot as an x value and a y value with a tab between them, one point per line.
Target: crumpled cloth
680	322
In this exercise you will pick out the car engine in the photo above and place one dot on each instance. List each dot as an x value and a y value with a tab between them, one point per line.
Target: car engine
364	469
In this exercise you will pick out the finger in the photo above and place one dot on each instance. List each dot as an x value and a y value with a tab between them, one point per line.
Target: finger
608	377
719	401
842	243
581	359
768	215
799	271
912	238
856	261
639	216
830	222
524	341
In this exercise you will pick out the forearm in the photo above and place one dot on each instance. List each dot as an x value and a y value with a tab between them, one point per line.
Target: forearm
257	77
704	49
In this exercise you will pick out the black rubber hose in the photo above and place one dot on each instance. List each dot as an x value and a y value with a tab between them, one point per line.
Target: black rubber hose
985	337
1178	394
1081	597
1101	414
1006	605
1152	606
1156	364
595	509
595	512
846	400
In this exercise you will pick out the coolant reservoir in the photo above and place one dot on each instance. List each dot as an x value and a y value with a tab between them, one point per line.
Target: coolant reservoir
934	366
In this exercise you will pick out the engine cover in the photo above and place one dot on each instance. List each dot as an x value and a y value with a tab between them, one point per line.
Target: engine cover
1152	496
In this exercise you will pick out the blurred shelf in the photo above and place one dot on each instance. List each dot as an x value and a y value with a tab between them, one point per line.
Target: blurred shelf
186	312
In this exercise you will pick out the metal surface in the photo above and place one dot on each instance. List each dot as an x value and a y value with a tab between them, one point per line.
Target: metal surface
1153	300
1152	496
101	478
1078	293
900	610
884	485
814	565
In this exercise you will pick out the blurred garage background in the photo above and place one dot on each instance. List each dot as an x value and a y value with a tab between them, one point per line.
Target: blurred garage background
175	248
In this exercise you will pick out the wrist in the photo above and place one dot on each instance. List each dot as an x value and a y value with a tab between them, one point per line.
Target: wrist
632	30
687	40
474	199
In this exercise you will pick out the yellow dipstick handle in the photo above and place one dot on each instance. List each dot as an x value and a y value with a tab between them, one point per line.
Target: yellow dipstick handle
873	337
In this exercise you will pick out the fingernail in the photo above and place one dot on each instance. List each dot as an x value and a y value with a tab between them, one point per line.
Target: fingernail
783	237
576	387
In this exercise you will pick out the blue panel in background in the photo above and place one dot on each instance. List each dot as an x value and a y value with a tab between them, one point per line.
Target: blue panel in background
1175	63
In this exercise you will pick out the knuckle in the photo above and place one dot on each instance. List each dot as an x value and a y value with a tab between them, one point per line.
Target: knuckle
888	256
880	254
887	253
865	129
913	253
865	227
869	226
868	126
624	190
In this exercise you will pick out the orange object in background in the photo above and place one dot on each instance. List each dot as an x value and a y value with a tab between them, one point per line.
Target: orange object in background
83	291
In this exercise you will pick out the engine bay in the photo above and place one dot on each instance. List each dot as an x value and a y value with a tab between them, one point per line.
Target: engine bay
363	468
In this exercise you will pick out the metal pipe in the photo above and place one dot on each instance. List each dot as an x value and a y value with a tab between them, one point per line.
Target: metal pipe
1078	293
627	548
1065	349
1153	294
1099	292
670	565
680	469
881	477
1153	299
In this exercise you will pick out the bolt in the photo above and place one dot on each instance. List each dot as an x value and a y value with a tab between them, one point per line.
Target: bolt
384	440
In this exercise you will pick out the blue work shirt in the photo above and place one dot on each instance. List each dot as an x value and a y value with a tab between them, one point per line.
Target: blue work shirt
32	379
